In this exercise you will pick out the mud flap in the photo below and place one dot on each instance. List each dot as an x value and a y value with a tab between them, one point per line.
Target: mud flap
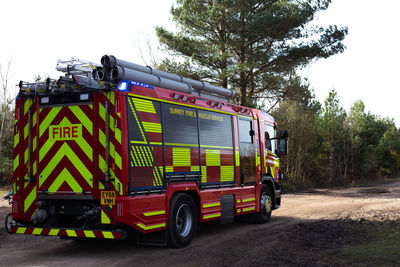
158	238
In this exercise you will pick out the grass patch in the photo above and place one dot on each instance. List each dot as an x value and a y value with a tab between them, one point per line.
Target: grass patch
382	248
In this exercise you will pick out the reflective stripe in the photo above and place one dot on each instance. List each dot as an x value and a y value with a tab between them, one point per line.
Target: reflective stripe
29	199
37	231
149	227
89	234
16	163
151	127
153	213
216	204
21	230
227	173
104	218
108	235
87	123
54	231
248	199
181	156
248	209
71	233
66	151
214	215
16	139
65	176
144	105
213	158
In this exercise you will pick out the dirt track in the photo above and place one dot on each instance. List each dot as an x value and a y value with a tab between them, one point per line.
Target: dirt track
301	220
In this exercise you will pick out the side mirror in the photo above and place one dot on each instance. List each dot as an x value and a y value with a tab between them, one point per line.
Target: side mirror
282	146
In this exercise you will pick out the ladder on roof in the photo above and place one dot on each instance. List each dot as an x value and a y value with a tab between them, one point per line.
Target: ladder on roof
77	77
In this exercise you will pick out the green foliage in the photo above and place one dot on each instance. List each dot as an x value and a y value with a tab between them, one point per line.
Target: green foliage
328	147
251	46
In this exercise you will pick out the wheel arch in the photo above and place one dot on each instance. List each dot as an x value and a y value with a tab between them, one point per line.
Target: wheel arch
269	181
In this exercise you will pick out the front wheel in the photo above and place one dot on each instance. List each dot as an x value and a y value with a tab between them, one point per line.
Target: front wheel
9	222
265	205
182	221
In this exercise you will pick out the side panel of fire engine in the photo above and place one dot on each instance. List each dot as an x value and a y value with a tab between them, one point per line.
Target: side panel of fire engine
169	139
25	158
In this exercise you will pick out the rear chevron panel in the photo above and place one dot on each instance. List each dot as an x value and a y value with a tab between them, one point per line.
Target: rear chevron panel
66	149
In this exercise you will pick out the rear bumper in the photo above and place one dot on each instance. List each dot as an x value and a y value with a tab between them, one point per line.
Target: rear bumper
65	232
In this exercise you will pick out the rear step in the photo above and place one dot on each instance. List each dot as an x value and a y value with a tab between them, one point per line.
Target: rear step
70	232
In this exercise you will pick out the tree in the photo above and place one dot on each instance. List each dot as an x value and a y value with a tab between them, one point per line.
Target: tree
249	45
6	124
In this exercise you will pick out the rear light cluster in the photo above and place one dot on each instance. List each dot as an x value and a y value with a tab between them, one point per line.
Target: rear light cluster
183	98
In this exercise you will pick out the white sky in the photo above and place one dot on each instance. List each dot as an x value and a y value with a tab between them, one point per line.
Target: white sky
36	33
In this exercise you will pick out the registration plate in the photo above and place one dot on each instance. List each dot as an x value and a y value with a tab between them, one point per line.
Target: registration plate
108	197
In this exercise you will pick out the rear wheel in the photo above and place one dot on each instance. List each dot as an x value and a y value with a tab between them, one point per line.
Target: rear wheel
265	205
182	221
9	222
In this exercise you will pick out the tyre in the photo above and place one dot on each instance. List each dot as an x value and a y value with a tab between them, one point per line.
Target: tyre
182	221
8	222
265	205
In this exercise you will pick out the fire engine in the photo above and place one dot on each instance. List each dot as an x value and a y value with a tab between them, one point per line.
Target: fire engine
117	149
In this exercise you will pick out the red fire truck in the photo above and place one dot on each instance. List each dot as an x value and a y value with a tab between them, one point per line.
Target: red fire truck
112	150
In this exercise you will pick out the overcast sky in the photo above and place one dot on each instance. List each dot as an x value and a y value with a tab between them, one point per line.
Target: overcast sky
37	33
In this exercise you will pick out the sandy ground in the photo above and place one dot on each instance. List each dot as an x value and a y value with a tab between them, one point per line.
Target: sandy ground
238	244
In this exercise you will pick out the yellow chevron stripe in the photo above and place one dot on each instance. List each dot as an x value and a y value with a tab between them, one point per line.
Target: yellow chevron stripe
89	234
29	199
108	235
65	176
117	135
104	218
26	130
54	232
71	233
37	231
16	139
16	163
111	96
116	156
44	125
27	105
87	123
65	150
21	230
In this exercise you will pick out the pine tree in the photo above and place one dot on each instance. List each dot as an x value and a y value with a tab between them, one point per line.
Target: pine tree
251	46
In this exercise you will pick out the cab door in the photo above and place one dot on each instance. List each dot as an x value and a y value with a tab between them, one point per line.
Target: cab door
247	150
